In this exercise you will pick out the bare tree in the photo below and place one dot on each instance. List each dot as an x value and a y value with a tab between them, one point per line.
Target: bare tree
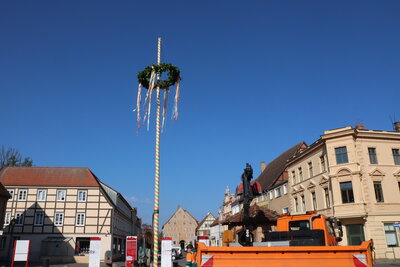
12	157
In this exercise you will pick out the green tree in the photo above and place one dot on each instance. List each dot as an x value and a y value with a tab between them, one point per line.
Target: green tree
12	157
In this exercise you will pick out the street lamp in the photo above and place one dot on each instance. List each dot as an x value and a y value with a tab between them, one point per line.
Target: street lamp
12	224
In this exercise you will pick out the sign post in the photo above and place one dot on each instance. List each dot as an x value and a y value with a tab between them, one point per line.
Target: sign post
21	251
94	252
131	250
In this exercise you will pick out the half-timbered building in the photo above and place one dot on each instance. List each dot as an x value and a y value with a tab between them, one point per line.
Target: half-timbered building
60	209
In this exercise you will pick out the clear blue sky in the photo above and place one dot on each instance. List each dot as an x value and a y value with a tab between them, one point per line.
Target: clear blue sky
258	77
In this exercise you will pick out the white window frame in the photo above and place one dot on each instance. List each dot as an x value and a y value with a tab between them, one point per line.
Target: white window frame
45	195
41	222
64	195
18	220
285	210
11	192
7	218
57	220
285	191
271	195
24	197
84	194
278	192
80	219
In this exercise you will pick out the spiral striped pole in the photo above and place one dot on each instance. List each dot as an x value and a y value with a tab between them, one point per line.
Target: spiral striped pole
157	175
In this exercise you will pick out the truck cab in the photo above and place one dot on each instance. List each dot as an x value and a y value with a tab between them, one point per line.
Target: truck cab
305	229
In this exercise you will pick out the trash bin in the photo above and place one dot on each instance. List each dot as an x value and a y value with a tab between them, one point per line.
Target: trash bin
45	263
108	258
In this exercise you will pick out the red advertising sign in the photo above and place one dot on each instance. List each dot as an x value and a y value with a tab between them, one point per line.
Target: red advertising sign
131	250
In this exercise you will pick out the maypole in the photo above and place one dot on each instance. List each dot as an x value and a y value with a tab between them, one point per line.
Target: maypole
157	175
150	78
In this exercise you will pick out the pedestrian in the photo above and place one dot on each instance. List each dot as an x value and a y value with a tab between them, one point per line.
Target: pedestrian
190	256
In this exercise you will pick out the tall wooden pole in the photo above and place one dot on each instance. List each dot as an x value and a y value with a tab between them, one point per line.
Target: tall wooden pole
157	175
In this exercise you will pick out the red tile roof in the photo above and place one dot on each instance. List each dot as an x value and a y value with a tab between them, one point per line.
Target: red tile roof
48	176
276	167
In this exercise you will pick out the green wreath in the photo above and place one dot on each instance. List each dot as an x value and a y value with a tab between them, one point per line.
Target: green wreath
173	75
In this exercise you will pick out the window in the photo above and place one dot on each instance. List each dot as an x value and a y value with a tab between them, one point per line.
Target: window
22	193
372	155
19	217
82	196
80	219
7	218
341	155
303	203
346	189
314	200
278	192
301	173
11	192
310	169
39	218
285	210
396	156
299	225
323	166
59	219
61	195
327	202
271	195
82	245
391	236
296	204
285	189
294	177
41	195
355	234
378	191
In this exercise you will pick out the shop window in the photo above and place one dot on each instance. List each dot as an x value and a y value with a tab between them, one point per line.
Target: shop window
82	245
391	235
355	234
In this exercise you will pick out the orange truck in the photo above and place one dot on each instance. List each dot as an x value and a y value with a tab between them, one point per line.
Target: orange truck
301	240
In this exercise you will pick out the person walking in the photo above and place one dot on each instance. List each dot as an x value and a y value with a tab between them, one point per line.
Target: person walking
190	256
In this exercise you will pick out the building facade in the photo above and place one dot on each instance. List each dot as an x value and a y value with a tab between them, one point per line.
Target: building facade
60	209
352	174
203	229
181	227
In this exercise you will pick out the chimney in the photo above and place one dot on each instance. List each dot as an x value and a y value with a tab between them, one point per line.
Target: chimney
360	127
396	126
262	166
